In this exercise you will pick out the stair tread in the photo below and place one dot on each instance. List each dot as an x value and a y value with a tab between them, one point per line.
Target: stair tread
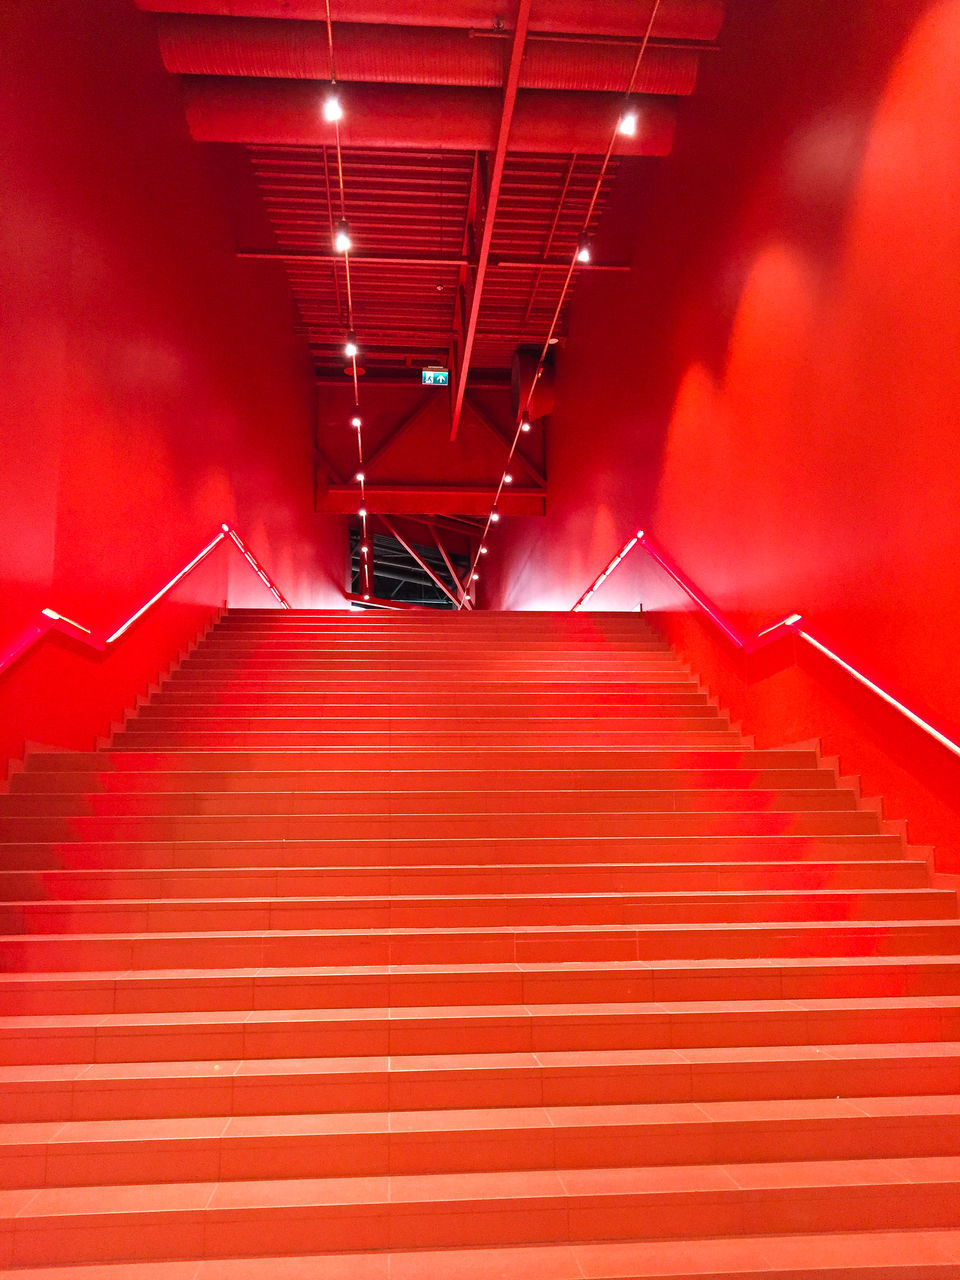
743	1059
650	1009
563	969
446	1189
888	1255
752	1114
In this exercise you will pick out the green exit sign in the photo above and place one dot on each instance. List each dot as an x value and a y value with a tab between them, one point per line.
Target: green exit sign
434	377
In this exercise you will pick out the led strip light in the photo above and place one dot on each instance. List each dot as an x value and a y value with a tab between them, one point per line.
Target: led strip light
750	644
51	620
627	126
343	243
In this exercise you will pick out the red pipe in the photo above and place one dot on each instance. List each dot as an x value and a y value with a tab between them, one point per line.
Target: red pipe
287	113
402	55
676	19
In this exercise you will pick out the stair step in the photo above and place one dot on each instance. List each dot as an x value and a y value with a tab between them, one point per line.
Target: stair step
373	803
869	1255
505	944
473	986
392	782
73	854
486	1028
490	1139
430	826
505	759
76	1091
215	1219
265	881
464	911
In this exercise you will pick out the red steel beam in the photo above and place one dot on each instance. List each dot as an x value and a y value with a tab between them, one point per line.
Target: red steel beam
486	421
398	430
493	197
408	547
396	260
450	569
431	500
374	602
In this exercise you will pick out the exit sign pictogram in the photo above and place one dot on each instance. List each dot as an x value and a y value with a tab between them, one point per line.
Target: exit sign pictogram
434	377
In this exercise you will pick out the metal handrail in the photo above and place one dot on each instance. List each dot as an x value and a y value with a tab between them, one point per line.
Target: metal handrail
792	624
100	642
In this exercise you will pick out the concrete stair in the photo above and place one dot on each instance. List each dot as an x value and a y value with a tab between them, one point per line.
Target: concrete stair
408	947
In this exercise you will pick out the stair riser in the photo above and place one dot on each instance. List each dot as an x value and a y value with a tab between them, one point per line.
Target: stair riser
303	826
495	702
173	720
160	917
576	852
258	1231
262	1037
666	983
224	1093
375	804
544	1146
505	760
484	784
238	883
512	946
358	740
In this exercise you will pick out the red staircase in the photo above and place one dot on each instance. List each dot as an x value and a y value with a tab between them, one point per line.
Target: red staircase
467	945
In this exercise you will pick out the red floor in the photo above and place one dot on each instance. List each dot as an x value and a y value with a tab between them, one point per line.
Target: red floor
400	948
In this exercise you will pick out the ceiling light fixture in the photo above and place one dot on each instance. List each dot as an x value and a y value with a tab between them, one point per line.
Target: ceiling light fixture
525	424
356	422
584	248
351	349
629	120
332	107
341	240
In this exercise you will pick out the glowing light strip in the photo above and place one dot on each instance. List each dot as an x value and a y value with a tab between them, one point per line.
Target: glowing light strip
163	590
51	620
583	240
791	623
366	546
888	698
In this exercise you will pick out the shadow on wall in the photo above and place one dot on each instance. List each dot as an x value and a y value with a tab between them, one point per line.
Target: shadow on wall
822	474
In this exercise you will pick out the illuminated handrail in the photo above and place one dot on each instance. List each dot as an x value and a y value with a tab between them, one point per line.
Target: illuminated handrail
50	620
750	644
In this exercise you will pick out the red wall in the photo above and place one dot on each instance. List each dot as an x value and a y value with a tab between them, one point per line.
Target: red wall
785	417
152	386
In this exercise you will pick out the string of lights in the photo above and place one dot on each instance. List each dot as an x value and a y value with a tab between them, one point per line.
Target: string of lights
333	112
342	244
626	126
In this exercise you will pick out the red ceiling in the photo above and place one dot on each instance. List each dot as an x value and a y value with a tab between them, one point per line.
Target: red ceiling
423	87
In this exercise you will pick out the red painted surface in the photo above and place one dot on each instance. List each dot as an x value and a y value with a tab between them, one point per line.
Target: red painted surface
786	426
152	387
375	937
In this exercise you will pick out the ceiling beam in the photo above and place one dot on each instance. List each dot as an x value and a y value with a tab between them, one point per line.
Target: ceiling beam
374	602
398	260
398	430
486	421
517	46
412	552
461	590
431	500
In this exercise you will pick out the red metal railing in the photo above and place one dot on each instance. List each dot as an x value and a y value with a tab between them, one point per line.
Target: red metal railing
51	620
793	623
